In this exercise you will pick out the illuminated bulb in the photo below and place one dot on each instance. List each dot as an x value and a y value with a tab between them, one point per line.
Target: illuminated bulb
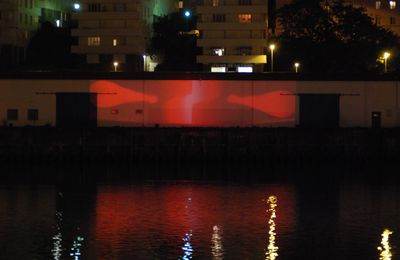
272	47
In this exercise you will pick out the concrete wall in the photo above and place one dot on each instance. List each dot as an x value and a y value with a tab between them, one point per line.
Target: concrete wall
202	102
24	95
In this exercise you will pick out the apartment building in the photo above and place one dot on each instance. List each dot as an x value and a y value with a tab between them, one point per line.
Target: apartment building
115	35
19	20
234	35
385	13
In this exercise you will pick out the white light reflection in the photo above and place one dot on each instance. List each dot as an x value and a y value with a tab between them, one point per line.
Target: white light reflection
76	248
385	246
57	238
272	250
187	246
216	249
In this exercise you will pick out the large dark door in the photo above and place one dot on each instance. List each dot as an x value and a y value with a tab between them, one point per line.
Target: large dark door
76	110
319	110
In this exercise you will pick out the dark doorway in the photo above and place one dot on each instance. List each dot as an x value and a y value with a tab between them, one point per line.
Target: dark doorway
376	120
319	110
76	110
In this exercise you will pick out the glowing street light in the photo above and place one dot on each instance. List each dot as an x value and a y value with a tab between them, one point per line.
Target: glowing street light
272	48
115	66
144	62
386	56
187	14
77	6
296	67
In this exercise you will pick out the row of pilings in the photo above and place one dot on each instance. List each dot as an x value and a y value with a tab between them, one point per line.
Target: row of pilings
266	147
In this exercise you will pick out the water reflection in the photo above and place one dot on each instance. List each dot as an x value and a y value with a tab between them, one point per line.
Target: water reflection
385	248
57	238
216	240
76	248
272	249
187	246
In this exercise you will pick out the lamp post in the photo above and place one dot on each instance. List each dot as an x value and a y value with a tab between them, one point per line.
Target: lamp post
272	48
296	67
115	66
386	56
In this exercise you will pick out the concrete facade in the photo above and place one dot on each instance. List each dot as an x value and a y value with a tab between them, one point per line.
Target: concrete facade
234	35
220	103
117	31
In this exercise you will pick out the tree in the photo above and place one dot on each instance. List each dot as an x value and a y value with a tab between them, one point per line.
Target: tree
175	43
332	37
50	48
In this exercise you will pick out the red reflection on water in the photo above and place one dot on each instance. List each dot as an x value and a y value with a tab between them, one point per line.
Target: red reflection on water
140	218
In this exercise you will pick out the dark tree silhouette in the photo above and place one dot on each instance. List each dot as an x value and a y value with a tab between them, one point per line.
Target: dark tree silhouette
175	43
332	37
50	48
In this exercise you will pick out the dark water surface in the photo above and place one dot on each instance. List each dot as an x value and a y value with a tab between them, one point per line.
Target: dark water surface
200	220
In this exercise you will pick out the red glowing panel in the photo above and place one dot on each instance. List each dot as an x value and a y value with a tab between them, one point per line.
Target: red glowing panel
112	94
280	104
194	102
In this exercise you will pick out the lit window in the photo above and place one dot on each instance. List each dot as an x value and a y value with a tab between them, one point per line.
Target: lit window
93	41
392	5
218	69
378	4
180	4
245	69
115	42
215	3
245	18
219	51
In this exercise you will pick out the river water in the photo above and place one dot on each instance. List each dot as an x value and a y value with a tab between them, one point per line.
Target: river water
200	220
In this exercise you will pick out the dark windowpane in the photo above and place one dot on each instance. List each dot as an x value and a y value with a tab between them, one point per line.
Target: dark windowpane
12	114
33	114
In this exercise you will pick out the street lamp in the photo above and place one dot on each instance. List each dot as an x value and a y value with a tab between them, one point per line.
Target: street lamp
296	67
144	62
272	48
187	14
386	56
115	66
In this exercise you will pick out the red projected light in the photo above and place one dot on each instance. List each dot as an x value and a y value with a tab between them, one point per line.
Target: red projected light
112	94
280	104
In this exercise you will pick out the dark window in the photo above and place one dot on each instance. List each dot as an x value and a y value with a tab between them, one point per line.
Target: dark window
33	114
244	2
218	18
94	7
119	7
12	114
